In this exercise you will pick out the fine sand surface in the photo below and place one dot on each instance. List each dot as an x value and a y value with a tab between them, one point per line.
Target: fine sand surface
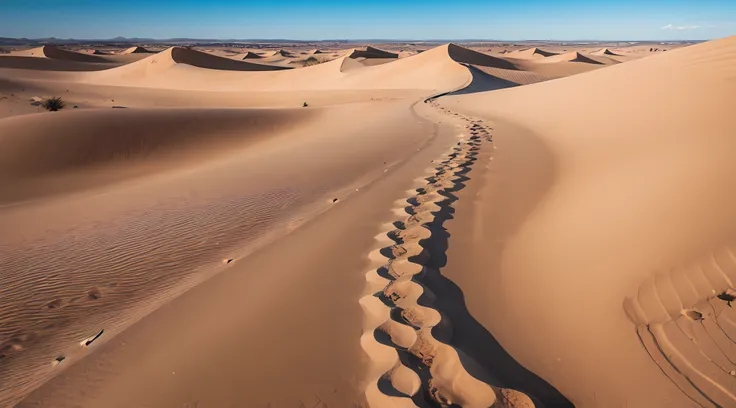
387	228
603	230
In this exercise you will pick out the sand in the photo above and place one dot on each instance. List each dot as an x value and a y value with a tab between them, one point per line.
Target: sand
616	225
387	228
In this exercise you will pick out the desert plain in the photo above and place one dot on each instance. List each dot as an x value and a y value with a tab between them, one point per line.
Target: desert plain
368	225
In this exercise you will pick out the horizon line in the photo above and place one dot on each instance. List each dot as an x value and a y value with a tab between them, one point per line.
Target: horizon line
388	40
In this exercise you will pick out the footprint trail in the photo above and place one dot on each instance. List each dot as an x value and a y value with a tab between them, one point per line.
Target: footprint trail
407	339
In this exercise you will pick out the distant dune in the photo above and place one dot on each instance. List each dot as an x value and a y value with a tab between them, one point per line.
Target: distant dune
604	52
530	53
568	57
53	52
371	52
136	50
247	55
276	53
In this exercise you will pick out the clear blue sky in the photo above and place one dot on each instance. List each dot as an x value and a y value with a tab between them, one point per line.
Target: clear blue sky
383	19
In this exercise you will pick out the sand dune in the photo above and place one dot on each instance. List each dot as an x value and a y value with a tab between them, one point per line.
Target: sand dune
369	231
126	261
276	53
48	64
371	52
433	70
468	56
53	52
185	61
180	55
592	229
79	150
604	51
136	50
247	55
568	57
530	53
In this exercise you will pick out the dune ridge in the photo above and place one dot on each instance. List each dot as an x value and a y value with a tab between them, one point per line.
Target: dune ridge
54	52
136	50
247	55
372	52
568	57
432	71
530	53
604	52
664	276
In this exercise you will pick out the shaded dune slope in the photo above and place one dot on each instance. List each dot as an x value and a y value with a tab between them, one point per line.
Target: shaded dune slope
48	64
468	56
136	50
277	53
76	150
200	59
371	52
531	53
247	55
53	52
569	57
605	51
442	69
664	313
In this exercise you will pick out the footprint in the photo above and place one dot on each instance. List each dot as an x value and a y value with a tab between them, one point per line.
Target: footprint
94	294
56	303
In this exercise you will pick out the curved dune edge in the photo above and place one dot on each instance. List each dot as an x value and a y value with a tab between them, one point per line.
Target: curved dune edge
568	57
531	53
181	55
410	365
468	56
136	50
685	321
53	52
372	52
605	52
176	68
662	113
247	55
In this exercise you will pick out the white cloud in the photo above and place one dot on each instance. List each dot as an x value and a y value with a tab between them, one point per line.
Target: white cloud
674	27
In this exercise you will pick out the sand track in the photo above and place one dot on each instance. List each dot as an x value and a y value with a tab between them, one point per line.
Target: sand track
685	321
408	339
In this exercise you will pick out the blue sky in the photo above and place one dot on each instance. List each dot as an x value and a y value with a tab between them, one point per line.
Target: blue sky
394	19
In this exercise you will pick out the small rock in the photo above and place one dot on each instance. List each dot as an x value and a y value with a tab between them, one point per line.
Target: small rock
334	200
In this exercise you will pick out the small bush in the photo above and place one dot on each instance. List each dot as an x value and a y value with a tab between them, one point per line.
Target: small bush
53	104
311	61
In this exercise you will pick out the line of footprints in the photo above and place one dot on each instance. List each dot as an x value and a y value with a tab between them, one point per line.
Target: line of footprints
407	339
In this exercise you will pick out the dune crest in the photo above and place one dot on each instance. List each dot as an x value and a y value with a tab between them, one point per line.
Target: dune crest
53	52
604	52
568	57
664	311
247	55
531	53
372	52
136	50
